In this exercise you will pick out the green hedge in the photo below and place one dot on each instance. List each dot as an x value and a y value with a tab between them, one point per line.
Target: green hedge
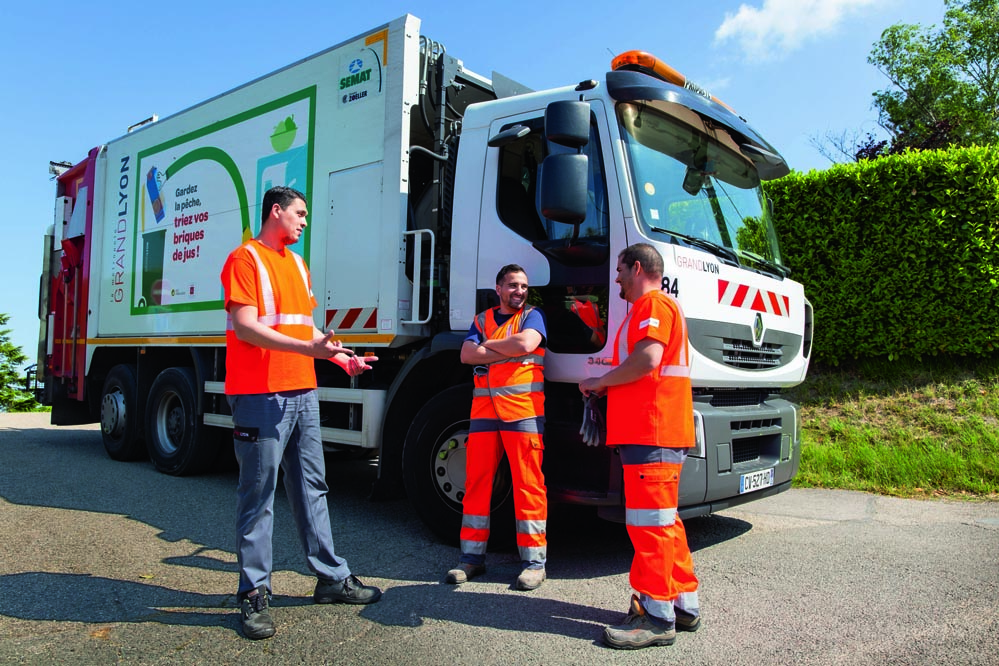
899	256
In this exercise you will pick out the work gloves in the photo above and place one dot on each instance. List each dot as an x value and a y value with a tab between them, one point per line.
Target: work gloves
593	421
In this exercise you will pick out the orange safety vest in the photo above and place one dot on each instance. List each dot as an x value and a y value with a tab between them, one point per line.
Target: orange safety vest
513	389
658	408
278	285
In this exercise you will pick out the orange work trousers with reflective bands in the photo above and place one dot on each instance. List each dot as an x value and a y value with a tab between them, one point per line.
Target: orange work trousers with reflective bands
663	568
484	452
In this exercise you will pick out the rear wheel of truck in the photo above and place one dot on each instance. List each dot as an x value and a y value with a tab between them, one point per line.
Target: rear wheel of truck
433	469
178	443
120	417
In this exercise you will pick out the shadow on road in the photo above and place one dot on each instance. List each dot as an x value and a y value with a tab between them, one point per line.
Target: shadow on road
67	468
515	613
97	600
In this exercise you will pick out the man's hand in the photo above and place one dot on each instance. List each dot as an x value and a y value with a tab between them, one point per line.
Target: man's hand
326	347
354	365
592	386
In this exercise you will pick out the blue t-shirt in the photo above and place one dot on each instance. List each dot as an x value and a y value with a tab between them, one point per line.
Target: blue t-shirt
535	319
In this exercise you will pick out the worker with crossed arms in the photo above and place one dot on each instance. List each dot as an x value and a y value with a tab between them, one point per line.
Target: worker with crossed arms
506	344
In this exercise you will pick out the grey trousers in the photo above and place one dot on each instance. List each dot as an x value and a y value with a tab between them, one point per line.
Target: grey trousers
272	430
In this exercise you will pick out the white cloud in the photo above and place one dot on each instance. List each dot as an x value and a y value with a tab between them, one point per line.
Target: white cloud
781	26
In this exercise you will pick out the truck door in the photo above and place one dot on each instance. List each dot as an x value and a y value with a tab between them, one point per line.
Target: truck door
575	298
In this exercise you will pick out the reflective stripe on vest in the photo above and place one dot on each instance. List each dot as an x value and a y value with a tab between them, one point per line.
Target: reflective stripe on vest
511	389
269	317
518	389
526	359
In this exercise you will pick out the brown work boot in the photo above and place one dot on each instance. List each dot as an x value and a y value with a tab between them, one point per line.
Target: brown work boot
531	579
638	630
687	622
464	572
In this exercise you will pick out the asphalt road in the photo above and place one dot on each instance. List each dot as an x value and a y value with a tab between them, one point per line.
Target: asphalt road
104	562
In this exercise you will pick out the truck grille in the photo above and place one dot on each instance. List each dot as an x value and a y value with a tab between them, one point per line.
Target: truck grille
735	398
754	440
743	354
746	450
755	424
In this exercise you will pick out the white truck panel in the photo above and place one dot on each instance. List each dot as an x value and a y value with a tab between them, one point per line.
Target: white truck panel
189	187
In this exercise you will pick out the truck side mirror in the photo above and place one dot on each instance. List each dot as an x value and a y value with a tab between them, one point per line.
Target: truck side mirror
567	123
564	188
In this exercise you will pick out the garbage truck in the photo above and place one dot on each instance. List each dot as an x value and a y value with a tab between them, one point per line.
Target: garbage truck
422	179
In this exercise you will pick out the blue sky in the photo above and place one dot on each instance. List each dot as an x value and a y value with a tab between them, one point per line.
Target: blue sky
78	74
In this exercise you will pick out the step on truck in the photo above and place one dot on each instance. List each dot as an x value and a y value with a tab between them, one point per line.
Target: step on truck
423	178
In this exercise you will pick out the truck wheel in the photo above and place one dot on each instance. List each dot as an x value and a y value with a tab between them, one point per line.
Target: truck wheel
433	469
177	442
120	417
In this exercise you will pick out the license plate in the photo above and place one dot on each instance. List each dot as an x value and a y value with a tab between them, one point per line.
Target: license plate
756	480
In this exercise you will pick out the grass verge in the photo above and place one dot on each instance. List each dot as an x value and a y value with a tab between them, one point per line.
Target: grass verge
902	428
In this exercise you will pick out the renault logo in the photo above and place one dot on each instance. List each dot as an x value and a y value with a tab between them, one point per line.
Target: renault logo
758	330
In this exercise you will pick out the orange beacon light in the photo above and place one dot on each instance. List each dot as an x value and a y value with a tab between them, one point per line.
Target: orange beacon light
649	64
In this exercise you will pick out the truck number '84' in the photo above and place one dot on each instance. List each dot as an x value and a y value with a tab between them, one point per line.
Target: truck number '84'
670	286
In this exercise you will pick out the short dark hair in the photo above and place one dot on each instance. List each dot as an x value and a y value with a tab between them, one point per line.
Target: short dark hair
506	270
648	256
280	195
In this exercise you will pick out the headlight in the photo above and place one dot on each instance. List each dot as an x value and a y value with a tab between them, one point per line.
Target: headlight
699	447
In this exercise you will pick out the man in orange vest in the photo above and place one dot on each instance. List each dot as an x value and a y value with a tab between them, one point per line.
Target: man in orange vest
270	384
650	420
506	344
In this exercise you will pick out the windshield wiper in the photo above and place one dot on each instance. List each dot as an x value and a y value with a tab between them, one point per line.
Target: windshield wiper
774	267
713	248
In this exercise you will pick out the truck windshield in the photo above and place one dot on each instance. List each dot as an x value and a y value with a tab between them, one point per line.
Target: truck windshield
694	187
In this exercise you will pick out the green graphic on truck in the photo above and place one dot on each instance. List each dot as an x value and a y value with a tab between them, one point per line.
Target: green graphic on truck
200	196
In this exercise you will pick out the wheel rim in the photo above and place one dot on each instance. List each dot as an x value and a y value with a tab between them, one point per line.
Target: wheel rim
113	413
449	465
170	423
449	470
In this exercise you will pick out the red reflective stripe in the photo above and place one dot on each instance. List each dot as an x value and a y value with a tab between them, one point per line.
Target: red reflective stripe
350	318
774	302
740	295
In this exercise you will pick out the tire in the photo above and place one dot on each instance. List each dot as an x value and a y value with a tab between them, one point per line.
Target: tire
120	415
433	469
178	442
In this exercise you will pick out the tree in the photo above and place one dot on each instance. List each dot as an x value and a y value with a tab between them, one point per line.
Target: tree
837	147
945	82
13	397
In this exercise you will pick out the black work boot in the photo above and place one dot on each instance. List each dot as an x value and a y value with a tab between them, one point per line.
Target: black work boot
350	590
256	614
